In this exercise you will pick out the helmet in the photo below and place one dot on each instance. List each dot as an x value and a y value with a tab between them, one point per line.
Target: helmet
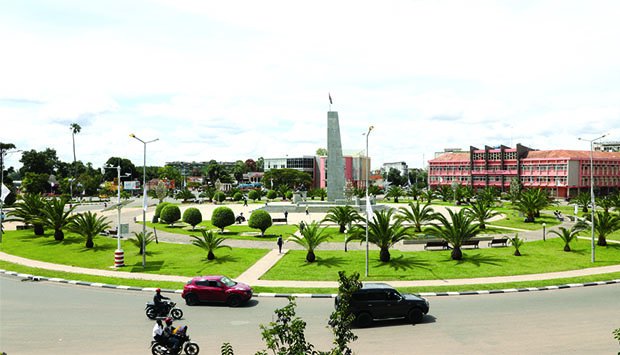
158	290
168	320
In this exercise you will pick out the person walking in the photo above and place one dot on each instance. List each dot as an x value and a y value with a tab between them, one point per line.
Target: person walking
286	215
280	242
307	211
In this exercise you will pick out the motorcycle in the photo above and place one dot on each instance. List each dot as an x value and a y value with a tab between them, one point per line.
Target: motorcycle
185	343
167	309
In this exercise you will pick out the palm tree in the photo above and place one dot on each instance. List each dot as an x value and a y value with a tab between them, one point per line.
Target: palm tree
530	202
29	210
56	217
605	223
583	200
488	194
481	212
148	237
417	215
428	195
446	193
88	225
342	216
311	237
75	128
459	228
209	242
395	192
382	232
414	192
567	235
517	243
605	202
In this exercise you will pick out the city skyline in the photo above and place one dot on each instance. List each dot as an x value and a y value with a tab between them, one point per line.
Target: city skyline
248	80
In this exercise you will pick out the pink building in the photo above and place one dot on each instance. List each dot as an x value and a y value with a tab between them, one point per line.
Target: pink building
355	170
563	172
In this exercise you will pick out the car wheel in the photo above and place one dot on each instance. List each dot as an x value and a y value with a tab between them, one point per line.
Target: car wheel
191	299
191	349
363	320
415	316
233	301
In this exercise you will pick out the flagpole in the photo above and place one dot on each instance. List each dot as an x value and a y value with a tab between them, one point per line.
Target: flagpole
368	207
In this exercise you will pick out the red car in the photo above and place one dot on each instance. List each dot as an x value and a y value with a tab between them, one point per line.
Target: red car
216	289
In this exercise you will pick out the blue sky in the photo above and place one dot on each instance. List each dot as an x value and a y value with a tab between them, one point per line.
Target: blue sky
245	79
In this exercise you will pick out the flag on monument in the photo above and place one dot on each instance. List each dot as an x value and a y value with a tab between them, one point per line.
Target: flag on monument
368	208
4	191
330	98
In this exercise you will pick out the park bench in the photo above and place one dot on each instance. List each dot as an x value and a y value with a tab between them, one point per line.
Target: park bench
281	220
498	242
21	227
436	244
470	244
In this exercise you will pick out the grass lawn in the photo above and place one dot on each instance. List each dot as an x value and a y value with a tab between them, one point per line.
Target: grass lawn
162	258
538	257
235	231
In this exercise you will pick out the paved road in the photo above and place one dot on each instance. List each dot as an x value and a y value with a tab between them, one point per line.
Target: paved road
48	318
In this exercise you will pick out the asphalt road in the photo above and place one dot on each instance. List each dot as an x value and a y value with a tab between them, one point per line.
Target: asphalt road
51	318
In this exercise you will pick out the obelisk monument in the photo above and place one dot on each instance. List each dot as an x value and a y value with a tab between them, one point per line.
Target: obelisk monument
335	161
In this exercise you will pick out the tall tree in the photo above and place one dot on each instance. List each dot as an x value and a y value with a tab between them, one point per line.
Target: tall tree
289	177
75	128
45	162
250	165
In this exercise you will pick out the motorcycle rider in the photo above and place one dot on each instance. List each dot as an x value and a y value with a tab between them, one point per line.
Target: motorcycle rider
158	302
172	340
158	332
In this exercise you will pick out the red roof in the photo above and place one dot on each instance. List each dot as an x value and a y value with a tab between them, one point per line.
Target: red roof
571	154
464	156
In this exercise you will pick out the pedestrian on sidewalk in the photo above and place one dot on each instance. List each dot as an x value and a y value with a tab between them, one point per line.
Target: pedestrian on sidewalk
280	242
307	211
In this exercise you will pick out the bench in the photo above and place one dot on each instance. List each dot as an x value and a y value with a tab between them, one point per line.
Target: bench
281	220
21	227
470	243
436	244
498	242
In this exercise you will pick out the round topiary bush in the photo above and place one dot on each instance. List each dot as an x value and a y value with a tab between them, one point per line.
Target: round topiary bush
222	217
159	208
271	194
192	216
237	196
170	214
289	195
219	196
254	195
260	219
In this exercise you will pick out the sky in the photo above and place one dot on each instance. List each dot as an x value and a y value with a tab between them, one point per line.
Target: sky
241	80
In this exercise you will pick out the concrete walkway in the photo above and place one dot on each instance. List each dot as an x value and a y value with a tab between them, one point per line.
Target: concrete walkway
253	274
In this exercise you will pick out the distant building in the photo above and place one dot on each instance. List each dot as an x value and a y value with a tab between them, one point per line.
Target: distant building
610	146
400	166
564	173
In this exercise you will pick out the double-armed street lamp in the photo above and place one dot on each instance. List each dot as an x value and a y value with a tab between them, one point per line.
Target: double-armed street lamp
592	184
144	205
368	207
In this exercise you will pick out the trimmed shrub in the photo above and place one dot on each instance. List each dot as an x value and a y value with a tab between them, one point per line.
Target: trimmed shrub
260	219
170	214
254	195
158	209
219	196
271	194
222	217
192	216
289	195
237	196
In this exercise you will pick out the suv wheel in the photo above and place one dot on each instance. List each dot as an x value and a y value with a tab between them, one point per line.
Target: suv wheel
363	320
415	315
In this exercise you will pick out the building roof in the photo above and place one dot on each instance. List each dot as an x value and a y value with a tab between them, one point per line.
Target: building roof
571	154
452	156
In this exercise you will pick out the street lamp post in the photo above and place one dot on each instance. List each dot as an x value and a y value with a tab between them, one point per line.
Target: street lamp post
592	184
144	205
544	225
3	152
119	254
368	208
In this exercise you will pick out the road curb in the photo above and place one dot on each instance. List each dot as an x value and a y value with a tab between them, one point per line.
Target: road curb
28	277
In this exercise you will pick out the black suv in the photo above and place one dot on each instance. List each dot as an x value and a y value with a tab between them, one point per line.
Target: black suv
382	301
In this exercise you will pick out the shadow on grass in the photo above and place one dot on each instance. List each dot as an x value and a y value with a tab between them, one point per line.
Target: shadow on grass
98	248
478	260
150	266
400	263
66	241
329	262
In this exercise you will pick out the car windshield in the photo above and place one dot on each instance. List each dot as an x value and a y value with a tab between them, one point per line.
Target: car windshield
228	282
